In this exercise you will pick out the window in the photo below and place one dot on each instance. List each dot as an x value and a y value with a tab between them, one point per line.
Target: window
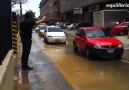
55	30
43	27
93	33
80	32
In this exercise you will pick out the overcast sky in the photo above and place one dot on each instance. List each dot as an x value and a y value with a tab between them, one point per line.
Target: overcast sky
30	5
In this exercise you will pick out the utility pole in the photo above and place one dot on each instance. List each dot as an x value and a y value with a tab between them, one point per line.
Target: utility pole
20	11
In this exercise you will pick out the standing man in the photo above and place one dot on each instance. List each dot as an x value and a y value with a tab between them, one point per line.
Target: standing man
26	27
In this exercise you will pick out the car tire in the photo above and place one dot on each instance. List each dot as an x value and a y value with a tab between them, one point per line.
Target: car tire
46	41
88	54
75	48
39	34
118	57
64	42
121	33
72	28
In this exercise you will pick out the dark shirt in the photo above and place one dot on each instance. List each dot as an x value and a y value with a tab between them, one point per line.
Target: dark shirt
26	27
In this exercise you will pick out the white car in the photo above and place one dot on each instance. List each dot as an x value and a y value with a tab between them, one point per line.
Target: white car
54	34
71	26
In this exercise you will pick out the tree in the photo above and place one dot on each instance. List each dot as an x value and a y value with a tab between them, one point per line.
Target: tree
20	2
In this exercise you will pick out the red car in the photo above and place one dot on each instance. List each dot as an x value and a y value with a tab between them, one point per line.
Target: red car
120	29
93	41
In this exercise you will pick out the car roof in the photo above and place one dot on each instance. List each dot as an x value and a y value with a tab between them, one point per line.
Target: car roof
92	27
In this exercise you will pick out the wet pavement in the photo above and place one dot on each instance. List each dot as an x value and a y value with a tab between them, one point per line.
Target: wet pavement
56	67
84	74
45	75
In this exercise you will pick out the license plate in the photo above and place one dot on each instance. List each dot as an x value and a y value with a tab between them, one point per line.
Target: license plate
57	40
110	51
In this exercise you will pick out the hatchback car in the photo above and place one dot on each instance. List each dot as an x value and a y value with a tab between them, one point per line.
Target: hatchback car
93	41
120	29
54	34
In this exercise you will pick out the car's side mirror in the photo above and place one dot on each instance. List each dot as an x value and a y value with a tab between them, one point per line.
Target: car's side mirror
77	34
82	36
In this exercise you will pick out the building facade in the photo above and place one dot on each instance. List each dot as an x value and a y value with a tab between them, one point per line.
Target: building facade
50	9
68	7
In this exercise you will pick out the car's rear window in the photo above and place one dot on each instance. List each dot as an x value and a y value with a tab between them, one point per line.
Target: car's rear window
93	33
55	30
43	27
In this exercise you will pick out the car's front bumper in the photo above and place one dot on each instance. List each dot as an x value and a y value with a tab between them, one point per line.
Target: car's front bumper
56	39
41	34
106	51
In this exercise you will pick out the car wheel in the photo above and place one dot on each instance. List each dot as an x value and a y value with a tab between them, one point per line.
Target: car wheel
64	42
39	34
72	28
75	48
121	33
88	54
44	40
118	57
47	41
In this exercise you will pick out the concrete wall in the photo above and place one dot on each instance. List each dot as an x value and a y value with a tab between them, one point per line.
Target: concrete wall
7	72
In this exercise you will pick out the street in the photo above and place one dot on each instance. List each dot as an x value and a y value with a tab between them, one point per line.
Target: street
84	74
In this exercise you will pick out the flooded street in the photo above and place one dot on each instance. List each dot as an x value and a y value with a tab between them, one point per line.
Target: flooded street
84	74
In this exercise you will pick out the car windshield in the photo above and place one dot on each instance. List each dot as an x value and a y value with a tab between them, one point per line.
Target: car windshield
43	27
42	23
55	30
93	33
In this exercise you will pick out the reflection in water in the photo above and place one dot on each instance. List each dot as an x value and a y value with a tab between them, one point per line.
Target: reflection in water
24	83
27	81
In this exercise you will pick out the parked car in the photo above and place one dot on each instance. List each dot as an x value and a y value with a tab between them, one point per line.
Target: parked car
82	24
94	42
54	34
42	28
120	29
63	25
71	26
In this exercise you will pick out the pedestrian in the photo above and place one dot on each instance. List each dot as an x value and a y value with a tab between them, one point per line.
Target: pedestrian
26	27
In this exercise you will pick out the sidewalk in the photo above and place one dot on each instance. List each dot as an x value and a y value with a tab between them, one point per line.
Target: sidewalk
123	39
45	75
